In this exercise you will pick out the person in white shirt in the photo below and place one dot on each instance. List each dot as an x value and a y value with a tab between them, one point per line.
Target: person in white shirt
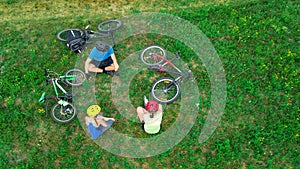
150	117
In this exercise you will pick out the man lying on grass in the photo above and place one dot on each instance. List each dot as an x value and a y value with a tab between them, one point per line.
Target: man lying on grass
102	59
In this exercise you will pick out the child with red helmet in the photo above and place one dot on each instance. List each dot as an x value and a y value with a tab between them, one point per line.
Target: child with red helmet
150	117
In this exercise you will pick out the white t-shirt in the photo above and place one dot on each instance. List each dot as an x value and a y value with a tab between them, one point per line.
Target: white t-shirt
152	125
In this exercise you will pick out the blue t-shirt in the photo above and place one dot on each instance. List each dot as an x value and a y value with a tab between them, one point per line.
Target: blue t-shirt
100	56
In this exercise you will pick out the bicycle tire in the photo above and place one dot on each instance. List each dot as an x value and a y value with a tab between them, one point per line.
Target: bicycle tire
63	114
102	26
79	77
61	35
160	95
147	59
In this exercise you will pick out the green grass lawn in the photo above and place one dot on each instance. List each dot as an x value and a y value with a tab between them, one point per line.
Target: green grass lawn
257	42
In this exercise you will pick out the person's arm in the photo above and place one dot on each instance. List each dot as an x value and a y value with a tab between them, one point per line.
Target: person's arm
86	65
113	57
160	109
87	121
106	119
145	111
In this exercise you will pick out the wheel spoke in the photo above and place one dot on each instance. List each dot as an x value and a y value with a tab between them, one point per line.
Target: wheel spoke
109	25
165	90
63	113
75	77
152	55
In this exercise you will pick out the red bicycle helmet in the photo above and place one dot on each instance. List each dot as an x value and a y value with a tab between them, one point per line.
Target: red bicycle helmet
152	106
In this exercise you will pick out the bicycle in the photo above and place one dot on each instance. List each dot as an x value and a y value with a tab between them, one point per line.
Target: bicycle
164	90
63	111
81	37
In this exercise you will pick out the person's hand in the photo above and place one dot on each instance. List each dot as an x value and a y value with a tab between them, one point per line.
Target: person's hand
116	67
145	111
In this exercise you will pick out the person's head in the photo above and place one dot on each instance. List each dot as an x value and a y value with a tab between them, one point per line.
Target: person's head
102	46
152	107
93	110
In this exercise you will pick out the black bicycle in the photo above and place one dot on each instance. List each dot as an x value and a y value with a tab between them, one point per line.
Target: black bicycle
77	38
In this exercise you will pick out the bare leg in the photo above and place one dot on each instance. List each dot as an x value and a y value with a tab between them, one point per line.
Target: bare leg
101	122
110	67
93	68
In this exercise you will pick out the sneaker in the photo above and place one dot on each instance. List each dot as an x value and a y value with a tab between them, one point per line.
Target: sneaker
116	73
111	73
87	75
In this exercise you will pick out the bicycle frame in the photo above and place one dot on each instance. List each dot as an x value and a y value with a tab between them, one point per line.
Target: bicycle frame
161	67
56	86
90	34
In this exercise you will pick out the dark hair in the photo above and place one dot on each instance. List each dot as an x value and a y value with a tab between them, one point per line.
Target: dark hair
102	46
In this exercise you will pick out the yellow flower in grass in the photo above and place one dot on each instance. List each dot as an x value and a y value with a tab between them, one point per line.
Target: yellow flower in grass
41	110
290	53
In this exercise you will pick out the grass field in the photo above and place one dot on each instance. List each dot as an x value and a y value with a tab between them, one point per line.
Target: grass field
257	42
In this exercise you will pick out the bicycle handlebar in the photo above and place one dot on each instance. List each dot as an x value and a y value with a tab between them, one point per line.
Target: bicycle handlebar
42	98
47	81
177	55
45	72
189	71
87	26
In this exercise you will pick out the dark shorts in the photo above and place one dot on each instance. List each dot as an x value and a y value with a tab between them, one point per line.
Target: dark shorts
103	64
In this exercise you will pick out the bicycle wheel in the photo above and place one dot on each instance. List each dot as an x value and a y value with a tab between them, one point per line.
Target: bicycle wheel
62	35
75	77
165	90
63	114
109	25
153	55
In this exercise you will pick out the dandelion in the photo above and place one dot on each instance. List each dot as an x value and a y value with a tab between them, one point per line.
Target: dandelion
41	110
290	53
235	28
7	99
